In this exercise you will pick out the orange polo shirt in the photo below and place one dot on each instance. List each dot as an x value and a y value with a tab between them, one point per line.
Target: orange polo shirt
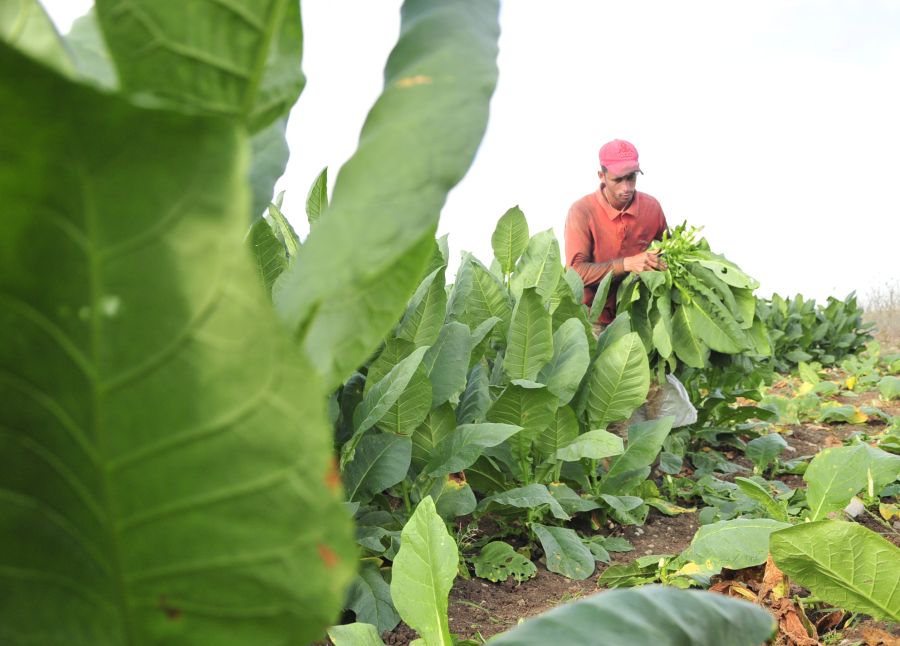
599	238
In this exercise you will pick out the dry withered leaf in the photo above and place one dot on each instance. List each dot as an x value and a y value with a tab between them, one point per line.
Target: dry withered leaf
830	621
878	637
774	583
790	625
732	588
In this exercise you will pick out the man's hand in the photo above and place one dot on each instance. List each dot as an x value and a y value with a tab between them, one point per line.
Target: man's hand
646	261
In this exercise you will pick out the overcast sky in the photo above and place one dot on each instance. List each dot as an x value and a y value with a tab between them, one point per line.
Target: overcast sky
773	124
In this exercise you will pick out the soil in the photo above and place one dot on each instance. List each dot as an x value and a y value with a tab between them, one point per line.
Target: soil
479	609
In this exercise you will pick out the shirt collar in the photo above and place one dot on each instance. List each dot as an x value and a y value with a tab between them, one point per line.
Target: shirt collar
613	213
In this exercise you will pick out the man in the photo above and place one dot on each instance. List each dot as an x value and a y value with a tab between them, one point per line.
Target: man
611	229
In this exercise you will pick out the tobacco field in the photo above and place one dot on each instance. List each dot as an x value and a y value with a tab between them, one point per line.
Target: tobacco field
216	431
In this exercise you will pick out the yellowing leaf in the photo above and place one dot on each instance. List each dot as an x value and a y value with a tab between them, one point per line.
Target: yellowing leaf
690	568
859	417
889	511
850	382
805	388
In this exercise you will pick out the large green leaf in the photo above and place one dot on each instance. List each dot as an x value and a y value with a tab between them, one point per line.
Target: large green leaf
645	439
686	341
317	198
661	316
487	297
463	446
411	406
497	561
26	26
647	616
163	447
88	49
754	490
600	297
570	500
530	342
452	497
386	392
619	381
842	563
728	272
564	552
733	544
528	497
533	409
418	141
559	433
380	461
423	574
355	634
837	474
510	238
369	597
439	423
425	313
447	363
570	360
594	445
476	398
268	252
241	58
540	267
889	387
718	328
269	159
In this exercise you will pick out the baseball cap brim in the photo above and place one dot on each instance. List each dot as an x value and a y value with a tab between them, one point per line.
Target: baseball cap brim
620	169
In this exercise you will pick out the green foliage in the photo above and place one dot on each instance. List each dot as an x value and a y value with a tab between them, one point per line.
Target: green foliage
837	474
844	563
155	448
426	97
530	343
356	634
889	386
510	239
25	25
423	573
497	561
733	544
632	467
564	551
701	303
801	330
618	382
658	616
764	450
317	198
369	597
248	68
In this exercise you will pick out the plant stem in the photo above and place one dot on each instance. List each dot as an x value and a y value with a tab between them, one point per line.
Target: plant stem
404	487
595	485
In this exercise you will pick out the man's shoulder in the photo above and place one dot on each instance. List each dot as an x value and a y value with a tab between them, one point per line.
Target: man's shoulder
584	204
648	202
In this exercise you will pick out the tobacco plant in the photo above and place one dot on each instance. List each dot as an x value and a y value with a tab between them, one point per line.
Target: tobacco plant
167	471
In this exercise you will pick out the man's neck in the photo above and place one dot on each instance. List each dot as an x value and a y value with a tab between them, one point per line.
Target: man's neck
618	206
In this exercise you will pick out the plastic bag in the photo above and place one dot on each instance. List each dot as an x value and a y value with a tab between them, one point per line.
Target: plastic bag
669	399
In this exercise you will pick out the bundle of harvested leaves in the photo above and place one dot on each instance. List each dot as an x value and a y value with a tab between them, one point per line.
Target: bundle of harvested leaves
703	302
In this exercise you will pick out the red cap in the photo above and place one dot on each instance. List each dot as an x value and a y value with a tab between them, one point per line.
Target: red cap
619	158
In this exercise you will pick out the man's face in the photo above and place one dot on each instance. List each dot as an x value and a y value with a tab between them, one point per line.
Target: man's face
619	189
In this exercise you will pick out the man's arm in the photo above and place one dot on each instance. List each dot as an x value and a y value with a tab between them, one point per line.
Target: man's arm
580	248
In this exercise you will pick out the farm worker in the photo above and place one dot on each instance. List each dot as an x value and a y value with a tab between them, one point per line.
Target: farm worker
610	229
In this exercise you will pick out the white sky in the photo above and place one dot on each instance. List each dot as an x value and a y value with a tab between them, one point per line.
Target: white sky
774	124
